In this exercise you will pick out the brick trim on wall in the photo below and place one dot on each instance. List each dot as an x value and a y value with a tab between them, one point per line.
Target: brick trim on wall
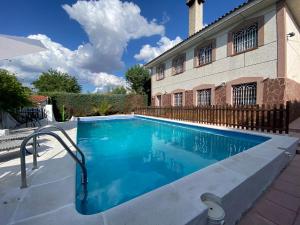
245	80
204	87
281	39
261	34
189	98
166	100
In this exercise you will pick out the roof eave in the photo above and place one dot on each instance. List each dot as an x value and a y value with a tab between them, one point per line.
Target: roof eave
213	27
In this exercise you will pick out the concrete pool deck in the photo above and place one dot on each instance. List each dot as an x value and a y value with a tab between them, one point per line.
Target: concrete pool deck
50	197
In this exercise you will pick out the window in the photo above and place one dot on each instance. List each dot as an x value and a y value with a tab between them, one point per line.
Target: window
204	97
245	39
244	94
204	55
178	64
160	70
158	100
178	99
151	70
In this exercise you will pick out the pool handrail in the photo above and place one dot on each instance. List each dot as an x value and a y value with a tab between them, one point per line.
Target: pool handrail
57	137
51	127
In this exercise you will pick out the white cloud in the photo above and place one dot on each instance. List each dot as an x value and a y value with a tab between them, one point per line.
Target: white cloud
109	25
148	52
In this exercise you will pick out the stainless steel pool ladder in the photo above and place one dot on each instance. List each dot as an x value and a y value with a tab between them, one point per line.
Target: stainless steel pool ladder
41	132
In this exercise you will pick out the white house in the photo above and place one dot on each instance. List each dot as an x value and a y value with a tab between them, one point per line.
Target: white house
250	55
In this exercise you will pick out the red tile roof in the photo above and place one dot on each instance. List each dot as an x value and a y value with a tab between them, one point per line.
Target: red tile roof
201	31
38	98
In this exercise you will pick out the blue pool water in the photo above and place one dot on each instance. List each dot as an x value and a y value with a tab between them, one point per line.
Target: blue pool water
129	157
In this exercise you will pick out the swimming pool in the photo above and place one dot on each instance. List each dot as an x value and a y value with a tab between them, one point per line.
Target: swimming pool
130	157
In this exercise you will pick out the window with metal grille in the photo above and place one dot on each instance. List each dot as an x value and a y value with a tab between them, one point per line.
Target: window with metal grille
205	55
158	100
178	64
160	70
204	97
244	94
246	38
178	99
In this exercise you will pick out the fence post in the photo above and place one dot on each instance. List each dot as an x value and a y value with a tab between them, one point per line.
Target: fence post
274	124
287	117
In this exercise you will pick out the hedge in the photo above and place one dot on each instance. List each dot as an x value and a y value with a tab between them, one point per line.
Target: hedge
84	104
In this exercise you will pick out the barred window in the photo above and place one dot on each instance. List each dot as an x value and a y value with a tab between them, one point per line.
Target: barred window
178	64
246	38
178	99
204	55
204	97
160	70
158	100
244	94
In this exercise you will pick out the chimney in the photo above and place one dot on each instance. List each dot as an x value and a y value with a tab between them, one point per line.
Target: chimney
195	15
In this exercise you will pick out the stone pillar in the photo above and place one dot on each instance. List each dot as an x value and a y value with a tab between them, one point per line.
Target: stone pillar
220	95
274	91
292	90
189	98
166	100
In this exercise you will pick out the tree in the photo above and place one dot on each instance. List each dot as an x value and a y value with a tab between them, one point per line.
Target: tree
12	94
119	91
56	81
139	80
102	109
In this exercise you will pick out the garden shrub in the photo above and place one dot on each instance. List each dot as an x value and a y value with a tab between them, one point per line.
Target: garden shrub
93	104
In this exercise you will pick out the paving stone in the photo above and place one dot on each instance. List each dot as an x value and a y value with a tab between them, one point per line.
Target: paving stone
253	218
297	221
46	197
295	163
63	216
283	199
287	187
292	170
289	178
274	212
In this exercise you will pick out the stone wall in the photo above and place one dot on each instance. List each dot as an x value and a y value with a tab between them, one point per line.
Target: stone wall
274	91
166	100
280	90
292	91
220	95
189	98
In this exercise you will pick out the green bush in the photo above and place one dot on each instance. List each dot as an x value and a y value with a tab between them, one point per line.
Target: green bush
93	104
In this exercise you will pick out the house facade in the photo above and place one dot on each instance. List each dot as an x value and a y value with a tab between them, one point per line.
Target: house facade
248	56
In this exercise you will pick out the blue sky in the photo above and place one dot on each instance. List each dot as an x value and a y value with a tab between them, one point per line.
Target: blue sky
62	26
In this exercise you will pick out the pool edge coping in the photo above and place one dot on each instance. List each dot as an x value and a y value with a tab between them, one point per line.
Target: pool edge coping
283	146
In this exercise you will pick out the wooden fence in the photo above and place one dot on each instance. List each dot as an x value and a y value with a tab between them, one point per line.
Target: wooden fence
294	110
268	118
